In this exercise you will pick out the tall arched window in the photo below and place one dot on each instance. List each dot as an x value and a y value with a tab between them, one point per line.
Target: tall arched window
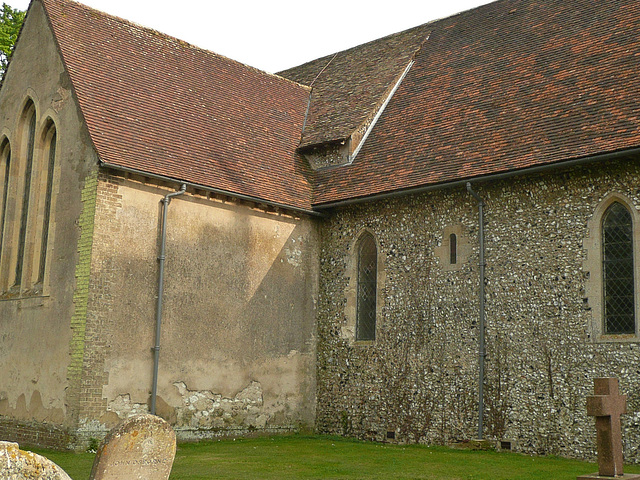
618	270
29	142
48	167
5	165
367	288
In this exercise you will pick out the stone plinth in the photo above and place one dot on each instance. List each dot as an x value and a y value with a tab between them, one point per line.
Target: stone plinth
595	476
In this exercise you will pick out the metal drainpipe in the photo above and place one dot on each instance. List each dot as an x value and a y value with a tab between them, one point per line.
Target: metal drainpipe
481	347
156	348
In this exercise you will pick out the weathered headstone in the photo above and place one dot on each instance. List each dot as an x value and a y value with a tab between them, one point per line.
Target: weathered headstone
16	464
607	405
141	448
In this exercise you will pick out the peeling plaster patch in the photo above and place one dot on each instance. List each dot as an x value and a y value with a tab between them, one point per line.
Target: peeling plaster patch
125	408
60	99
89	424
205	409
294	254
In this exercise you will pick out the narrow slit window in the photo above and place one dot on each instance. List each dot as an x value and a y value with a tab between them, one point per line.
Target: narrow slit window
367	288
453	249
5	165
618	270
51	160
24	213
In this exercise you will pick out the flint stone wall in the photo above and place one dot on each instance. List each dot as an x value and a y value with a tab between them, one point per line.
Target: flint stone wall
418	381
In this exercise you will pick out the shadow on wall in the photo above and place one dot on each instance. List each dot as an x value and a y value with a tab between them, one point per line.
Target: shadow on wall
238	316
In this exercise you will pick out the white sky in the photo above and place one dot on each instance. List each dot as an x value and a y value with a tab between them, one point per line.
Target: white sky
274	35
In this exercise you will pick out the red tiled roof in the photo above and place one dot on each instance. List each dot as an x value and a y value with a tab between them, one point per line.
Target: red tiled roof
509	85
156	104
349	86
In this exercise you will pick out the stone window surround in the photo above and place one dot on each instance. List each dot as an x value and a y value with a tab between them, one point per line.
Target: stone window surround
5	164
46	123
593	265
348	328
28	170
46	186
463	250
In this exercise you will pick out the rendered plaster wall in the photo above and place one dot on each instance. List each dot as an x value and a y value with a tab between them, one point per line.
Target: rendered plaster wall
39	385
419	379
238	325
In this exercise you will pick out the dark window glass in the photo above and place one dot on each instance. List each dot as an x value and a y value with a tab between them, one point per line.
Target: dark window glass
617	264
47	207
367	285
5	193
25	199
453	249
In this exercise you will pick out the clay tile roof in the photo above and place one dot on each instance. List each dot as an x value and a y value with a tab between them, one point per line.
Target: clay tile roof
350	85
162	106
509	85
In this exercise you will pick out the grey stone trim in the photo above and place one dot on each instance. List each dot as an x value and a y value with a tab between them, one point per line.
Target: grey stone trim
463	248
348	328
593	266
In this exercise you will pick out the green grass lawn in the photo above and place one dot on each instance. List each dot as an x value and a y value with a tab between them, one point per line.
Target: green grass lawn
300	457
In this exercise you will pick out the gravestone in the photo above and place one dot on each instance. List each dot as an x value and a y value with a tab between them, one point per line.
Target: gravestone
141	448
607	405
16	464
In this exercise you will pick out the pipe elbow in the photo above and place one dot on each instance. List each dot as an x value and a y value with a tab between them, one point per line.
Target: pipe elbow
474	194
169	196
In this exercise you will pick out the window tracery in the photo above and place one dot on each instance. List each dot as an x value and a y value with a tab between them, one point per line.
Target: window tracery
617	270
367	288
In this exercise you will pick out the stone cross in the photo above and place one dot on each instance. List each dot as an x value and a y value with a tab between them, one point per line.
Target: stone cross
141	448
607	405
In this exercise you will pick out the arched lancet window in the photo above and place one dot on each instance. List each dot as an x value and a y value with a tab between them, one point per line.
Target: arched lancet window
48	168
618	270
29	134
453	249
367	288
5	165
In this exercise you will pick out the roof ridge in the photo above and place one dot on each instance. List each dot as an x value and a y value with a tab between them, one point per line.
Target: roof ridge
239	126
360	45
174	39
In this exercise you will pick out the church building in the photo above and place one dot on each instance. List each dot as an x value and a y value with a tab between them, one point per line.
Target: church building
433	237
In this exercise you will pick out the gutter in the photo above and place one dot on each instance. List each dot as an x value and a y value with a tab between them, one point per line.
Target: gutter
218	191
482	178
156	349
481	344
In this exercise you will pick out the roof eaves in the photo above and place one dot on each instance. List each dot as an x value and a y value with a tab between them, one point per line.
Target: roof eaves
601	157
207	188
323	144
